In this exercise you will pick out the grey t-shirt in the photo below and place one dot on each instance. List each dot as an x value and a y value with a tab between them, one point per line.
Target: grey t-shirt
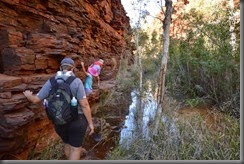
76	87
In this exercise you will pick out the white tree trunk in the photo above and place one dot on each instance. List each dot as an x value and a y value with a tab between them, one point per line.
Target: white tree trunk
139	109
232	25
165	53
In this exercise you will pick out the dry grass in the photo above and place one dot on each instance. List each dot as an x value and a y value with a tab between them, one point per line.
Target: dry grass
53	152
199	134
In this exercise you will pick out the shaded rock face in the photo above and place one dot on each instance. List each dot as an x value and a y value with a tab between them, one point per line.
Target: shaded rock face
35	35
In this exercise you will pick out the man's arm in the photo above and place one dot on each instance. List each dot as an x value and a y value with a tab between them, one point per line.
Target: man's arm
87	111
32	98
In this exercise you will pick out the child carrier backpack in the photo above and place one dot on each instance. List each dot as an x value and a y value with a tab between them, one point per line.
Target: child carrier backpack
58	107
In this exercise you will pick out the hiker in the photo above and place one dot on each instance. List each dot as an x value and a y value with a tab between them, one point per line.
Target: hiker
72	133
89	77
98	66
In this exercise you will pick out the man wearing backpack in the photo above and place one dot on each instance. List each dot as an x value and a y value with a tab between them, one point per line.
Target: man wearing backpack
71	132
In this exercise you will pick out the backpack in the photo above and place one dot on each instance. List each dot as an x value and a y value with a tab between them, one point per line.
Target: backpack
58	107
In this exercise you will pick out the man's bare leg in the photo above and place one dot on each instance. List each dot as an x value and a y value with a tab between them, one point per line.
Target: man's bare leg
67	150
75	153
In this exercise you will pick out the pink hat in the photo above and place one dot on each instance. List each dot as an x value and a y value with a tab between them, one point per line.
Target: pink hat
93	71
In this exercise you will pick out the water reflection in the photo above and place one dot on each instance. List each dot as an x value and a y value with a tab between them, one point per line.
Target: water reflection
149	106
127	133
149	109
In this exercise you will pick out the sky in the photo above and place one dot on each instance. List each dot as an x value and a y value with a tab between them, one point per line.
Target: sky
151	6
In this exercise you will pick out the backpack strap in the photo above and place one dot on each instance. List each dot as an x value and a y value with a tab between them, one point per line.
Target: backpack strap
70	79
53	80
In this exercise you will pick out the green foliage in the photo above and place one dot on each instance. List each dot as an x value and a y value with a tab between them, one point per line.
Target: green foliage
124	79
150	71
193	102
204	65
143	37
150	49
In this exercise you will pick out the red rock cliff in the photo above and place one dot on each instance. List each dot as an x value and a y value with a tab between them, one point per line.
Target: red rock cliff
35	35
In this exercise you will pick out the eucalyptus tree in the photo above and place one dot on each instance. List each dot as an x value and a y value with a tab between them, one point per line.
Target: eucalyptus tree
164	59
232	25
139	8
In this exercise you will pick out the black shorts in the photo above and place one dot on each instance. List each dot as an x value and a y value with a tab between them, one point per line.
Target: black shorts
73	133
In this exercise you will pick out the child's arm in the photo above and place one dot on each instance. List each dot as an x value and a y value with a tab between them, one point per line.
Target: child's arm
83	68
98	80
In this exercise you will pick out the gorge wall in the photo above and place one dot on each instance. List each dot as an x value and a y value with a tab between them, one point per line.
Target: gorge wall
35	35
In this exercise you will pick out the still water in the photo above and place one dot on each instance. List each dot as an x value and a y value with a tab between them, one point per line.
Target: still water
149	109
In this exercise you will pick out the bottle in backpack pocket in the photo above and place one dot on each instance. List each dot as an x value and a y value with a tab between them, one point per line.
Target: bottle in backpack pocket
45	103
73	101
74	107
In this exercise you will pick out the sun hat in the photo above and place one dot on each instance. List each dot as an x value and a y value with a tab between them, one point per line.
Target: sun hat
93	71
67	61
100	61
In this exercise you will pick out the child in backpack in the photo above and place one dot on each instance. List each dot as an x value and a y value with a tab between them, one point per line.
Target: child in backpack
88	80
